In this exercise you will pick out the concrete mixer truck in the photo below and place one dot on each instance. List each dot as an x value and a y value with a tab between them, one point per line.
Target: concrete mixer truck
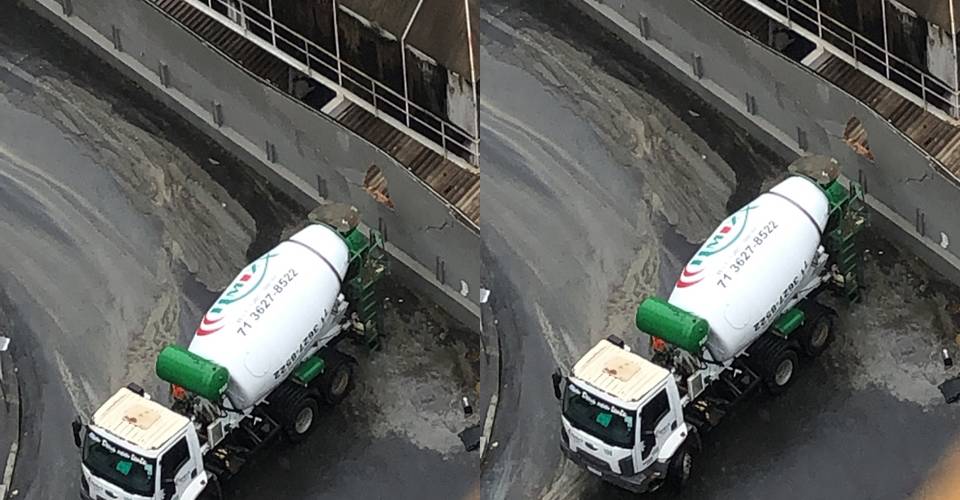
262	362
740	316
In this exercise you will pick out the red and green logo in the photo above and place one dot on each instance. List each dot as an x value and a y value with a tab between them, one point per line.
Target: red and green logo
727	234
248	281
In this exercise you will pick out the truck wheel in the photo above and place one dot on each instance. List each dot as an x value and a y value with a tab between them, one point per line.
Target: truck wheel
815	337
301	418
693	441
212	490
338	380
775	361
296	410
680	468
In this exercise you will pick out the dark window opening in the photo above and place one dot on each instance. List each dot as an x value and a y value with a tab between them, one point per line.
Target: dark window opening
174	459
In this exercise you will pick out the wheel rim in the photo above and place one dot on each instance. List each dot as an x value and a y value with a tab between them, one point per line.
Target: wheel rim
304	420
687	466
340	382
784	372
820	334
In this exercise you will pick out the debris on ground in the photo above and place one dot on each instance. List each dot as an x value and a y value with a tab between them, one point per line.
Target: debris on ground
471	437
951	390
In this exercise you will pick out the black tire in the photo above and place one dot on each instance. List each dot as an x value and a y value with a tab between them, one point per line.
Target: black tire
815	335
775	361
680	467
212	491
296	410
693	439
337	380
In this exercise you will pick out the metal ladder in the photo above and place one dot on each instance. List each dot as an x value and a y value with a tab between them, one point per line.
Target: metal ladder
848	214
367	267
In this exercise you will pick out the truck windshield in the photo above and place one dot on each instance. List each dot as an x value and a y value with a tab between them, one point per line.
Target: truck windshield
610	423
118	466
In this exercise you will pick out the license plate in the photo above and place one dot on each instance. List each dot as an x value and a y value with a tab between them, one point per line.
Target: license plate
595	471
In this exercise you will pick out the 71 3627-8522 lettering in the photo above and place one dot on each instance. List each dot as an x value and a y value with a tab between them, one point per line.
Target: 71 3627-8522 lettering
743	254
264	302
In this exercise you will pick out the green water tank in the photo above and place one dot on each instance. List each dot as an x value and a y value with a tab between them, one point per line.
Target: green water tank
201	376
661	319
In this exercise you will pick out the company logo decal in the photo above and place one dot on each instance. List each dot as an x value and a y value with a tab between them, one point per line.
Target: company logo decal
727	234
245	284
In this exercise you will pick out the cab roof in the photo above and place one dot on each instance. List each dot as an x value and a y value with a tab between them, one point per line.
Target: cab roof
138	420
618	372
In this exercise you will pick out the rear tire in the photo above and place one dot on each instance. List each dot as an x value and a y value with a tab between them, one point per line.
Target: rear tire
775	361
815	336
337	380
296	410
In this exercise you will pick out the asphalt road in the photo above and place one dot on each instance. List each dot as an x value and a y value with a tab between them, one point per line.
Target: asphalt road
602	175
118	222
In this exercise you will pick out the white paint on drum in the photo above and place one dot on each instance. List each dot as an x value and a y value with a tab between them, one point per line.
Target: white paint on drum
258	325
738	278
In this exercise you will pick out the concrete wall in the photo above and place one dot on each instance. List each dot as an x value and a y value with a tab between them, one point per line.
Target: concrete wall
441	91
941	61
461	110
793	101
308	145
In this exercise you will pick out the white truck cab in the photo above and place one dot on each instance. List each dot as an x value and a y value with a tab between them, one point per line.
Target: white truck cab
136	449
622	418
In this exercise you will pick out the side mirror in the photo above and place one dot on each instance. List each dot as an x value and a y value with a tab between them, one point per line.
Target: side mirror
77	431
557	383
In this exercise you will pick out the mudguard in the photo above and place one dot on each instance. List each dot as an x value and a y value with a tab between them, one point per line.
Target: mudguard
673	442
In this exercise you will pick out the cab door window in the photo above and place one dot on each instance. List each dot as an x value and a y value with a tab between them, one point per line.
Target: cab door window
651	415
171	463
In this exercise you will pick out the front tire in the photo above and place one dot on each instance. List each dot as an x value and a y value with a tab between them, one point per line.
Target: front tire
212	491
680	468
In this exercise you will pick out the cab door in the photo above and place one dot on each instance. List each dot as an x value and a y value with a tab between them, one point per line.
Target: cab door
176	470
656	424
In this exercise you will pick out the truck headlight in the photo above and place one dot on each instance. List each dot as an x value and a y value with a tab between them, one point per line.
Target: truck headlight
564	436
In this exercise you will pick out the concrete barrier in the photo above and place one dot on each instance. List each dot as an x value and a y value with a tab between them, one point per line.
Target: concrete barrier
796	112
437	254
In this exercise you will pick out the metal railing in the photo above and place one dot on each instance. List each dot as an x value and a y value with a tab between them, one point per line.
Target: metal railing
877	61
435	132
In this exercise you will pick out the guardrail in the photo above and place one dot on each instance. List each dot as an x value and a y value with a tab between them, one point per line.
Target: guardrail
878	62
436	132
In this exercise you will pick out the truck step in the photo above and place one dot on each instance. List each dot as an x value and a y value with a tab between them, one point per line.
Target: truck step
848	262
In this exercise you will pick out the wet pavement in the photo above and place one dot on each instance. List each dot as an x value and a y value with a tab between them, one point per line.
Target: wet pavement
398	409
118	223
602	175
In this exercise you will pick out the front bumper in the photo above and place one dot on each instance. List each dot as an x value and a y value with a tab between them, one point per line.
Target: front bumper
641	482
